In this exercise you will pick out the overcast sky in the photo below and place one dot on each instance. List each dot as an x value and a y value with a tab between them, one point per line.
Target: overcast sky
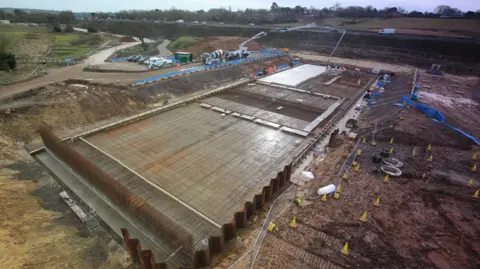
116	5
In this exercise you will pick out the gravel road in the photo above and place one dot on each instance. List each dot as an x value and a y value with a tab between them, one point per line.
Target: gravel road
162	48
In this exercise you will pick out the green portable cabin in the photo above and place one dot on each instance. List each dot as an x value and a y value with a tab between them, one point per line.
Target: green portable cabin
184	57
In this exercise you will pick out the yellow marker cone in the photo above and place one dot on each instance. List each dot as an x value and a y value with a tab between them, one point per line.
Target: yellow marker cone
431	157
374	143
271	226
336	195
391	141
385	179
324	198
359	152
474	156
391	150
293	224
299	201
474	168
470	183
377	202
475	195
356	168
345	176
339	188
354	163
429	148
364	216
345	249
364	140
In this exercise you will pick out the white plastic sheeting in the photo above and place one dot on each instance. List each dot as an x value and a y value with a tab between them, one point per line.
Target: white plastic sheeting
296	75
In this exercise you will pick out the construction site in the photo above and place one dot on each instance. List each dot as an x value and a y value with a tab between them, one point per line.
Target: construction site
259	158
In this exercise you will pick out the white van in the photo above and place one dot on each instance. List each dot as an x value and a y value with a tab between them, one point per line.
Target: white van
179	21
387	31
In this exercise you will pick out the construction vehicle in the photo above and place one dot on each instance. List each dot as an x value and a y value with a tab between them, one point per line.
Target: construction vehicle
283	30
220	55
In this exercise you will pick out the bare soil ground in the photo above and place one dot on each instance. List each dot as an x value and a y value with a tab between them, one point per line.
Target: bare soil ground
346	86
206	80
427	217
210	44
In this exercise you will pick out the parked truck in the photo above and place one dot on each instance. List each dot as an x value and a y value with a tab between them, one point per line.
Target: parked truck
387	31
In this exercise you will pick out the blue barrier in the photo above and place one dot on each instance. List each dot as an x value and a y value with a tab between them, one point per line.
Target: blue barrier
430	112
406	99
205	67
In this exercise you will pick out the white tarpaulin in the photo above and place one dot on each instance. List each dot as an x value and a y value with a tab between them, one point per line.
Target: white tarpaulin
296	75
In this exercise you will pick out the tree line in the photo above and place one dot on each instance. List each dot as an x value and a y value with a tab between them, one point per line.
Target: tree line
19	15
276	14
279	14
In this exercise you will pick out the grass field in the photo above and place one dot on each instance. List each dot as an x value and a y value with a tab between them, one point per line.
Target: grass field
455	25
183	42
29	43
26	41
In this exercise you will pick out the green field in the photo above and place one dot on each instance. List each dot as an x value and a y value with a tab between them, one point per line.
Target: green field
29	43
183	42
26	41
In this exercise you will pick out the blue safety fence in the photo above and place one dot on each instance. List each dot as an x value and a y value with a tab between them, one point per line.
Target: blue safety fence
205	67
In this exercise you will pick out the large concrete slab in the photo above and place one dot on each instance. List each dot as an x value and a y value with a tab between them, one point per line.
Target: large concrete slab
295	76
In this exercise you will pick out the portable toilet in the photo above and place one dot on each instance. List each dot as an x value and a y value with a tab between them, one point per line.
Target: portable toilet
183	57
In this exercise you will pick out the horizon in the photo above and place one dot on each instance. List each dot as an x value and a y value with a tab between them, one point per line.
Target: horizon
193	5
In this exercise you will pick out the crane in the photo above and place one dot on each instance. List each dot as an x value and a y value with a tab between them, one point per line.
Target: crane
242	49
282	30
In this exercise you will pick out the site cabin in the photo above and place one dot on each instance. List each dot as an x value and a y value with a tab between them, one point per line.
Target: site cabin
387	31
184	57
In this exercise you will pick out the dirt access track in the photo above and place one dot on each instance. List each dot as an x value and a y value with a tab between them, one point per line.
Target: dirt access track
426	218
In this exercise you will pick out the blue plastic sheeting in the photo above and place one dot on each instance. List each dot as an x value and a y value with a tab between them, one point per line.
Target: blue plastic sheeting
375	94
69	60
380	84
120	59
430	112
190	70
398	104
474	139
406	99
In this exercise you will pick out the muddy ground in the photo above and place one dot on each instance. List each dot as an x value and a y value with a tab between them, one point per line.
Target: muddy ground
346	86
210	44
427	217
206	80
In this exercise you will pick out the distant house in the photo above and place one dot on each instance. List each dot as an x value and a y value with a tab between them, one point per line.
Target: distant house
4	22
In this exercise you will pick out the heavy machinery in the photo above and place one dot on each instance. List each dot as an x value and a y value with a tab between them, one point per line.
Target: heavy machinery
219	55
283	30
